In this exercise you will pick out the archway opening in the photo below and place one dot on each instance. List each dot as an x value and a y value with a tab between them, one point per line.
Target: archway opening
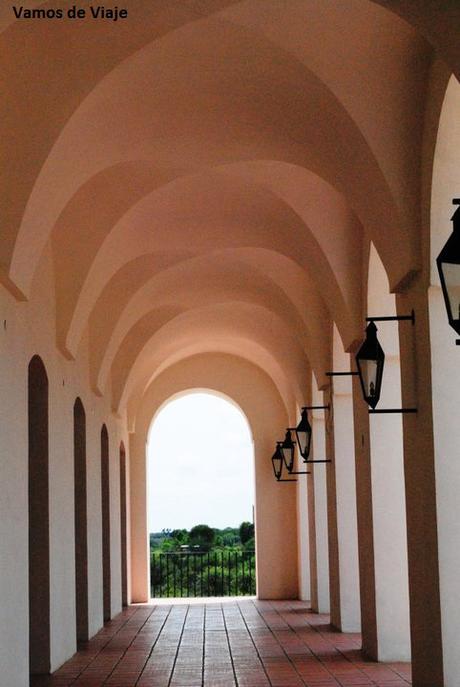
39	538
105	506
81	522
201	496
123	527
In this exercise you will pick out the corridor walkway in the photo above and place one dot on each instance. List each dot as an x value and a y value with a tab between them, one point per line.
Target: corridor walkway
240	642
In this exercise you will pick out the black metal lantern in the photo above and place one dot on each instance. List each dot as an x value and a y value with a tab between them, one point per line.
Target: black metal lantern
303	435
448	262
277	461
370	360
287	448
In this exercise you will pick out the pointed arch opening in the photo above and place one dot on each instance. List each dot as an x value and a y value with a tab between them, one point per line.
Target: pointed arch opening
81	521
105	504
39	543
123	527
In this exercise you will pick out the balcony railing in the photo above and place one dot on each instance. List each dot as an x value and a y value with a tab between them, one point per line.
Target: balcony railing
202	574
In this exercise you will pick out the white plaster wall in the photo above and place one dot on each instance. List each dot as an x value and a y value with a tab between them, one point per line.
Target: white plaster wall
14	638
30	330
303	538
347	525
387	479
446	385
320	487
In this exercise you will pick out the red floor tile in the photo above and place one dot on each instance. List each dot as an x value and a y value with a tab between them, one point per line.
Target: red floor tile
239	643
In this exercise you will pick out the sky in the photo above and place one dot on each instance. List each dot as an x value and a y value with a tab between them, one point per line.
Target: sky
200	464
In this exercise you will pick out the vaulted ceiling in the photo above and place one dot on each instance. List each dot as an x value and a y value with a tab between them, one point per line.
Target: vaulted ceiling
208	175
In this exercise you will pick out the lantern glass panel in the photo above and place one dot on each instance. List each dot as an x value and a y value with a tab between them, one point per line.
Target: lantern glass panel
277	462
287	447
452	280
370	361
303	434
369	371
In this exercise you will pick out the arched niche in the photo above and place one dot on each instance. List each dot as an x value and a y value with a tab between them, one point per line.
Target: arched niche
105	506
81	521
123	527
39	539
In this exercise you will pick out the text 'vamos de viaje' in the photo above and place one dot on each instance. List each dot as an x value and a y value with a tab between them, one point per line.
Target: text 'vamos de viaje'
74	12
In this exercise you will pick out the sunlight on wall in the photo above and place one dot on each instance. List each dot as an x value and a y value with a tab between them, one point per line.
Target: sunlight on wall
201	464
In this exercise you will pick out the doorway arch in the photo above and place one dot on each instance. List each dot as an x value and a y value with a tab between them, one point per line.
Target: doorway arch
81	521
200	455
123	527
39	543
105	505
255	393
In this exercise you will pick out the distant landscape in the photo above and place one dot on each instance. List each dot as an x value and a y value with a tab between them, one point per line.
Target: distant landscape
203	561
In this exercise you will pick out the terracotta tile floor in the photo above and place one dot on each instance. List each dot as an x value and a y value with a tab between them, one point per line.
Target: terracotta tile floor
240	642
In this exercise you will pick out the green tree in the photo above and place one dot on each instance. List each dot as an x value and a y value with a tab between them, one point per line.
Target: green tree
180	536
202	536
246	532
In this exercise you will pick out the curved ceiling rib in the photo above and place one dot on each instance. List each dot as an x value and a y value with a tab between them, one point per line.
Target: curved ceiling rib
211	328
277	108
206	281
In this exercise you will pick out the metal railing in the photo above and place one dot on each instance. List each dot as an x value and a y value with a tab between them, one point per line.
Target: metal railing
202	574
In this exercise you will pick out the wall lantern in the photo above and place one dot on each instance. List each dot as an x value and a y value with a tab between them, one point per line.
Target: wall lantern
303	434
287	449
448	262
277	461
370	360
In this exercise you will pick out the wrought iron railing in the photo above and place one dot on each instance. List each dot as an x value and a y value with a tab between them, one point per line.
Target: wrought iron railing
201	574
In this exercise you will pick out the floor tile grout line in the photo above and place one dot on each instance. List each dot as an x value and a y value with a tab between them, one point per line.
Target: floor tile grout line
154	643
333	646
154	608
279	643
203	655
129	645
318	658
252	640
178	645
73	680
229	646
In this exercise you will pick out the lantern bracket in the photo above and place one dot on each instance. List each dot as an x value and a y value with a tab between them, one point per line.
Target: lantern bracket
315	407
393	318
392	410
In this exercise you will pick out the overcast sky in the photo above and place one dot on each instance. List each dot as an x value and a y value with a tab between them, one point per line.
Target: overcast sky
201	465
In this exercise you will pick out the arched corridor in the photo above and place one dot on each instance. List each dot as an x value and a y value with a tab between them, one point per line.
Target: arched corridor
237	196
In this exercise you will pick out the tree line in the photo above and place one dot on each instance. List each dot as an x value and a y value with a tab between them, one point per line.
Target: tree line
203	561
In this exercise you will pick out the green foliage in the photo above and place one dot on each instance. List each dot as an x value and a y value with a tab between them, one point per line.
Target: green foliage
246	532
203	562
202	536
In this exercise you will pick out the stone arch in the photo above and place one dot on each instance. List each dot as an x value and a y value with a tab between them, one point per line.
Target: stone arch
267	416
39	538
